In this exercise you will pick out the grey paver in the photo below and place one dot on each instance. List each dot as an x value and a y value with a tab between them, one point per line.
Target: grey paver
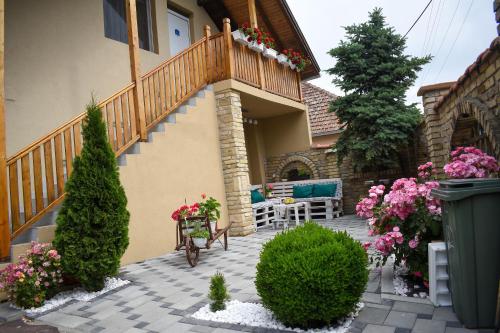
165	291
413	307
428	326
378	329
65	320
371	297
202	329
7	313
459	330
373	315
444	313
401	319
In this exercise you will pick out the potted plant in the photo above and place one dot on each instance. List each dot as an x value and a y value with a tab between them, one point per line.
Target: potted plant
240	36
269	45
211	208
182	213
268	190
296	60
199	236
283	59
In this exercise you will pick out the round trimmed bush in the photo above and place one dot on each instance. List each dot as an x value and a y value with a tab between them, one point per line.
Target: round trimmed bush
311	277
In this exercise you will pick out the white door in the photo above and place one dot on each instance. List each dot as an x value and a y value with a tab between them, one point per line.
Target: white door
178	31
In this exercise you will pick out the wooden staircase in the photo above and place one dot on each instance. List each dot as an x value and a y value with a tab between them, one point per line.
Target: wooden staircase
36	175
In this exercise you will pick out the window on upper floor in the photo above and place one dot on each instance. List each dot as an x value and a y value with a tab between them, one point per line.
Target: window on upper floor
115	22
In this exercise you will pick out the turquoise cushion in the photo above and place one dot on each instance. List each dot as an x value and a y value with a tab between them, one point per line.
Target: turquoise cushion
256	196
302	191
324	190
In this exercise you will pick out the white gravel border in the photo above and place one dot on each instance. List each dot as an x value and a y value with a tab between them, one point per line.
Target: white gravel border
253	314
78	294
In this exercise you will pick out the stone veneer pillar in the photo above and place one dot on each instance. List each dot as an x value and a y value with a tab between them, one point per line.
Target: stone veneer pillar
433	122
234	162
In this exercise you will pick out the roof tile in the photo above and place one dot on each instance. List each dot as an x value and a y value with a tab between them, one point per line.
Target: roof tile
318	100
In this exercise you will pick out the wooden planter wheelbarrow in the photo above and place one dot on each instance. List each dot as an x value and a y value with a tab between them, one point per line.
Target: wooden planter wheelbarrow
185	241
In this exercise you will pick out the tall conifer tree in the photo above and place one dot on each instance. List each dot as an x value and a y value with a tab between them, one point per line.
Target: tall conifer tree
92	225
375	73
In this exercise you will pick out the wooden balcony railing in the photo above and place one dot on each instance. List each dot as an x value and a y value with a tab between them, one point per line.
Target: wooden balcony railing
37	174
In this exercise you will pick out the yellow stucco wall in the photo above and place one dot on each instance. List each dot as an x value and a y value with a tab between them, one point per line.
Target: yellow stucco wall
179	164
56	57
286	134
256	153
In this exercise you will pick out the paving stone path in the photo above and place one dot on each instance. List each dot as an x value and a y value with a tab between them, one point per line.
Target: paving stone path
165	291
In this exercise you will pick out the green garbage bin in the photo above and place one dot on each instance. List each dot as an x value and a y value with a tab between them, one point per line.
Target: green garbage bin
471	223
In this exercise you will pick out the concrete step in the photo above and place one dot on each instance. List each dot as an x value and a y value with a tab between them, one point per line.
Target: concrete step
45	234
18	250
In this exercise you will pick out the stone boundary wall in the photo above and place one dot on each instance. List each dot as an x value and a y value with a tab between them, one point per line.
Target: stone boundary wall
477	91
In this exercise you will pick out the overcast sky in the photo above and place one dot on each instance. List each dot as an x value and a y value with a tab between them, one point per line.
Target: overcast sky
473	28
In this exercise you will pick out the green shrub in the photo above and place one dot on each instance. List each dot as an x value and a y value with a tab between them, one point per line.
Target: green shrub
92	226
310	276
218	292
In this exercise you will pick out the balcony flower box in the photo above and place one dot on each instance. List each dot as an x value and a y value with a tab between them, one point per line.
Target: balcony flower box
270	53
240	37
255	46
283	59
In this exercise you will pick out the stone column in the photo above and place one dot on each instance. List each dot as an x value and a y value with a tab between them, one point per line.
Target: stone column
234	162
433	123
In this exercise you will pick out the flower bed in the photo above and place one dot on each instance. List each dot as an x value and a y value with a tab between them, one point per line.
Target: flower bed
253	314
78	294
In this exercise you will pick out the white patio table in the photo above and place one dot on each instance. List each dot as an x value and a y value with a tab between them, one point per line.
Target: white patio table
282	213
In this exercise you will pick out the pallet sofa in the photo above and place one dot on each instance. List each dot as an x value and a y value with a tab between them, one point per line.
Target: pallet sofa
322	208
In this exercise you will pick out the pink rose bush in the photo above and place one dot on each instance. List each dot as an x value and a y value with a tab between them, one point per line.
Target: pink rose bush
470	162
405	219
36	277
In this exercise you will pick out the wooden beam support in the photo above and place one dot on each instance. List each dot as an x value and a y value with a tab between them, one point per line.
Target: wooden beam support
252	13
135	69
4	202
208	54
228	41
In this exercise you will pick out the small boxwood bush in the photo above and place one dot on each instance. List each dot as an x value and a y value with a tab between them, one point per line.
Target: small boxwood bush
311	277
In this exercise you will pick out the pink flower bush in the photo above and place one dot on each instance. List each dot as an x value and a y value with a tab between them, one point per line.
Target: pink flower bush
425	171
405	219
470	162
35	278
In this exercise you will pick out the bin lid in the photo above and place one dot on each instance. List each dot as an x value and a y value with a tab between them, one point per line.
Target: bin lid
458	189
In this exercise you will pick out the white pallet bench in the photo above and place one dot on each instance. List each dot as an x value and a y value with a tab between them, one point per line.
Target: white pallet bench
322	209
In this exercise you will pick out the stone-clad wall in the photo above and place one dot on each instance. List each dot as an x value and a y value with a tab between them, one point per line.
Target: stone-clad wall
476	93
322	163
234	162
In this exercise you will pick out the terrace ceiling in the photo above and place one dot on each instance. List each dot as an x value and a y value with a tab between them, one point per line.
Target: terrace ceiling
273	16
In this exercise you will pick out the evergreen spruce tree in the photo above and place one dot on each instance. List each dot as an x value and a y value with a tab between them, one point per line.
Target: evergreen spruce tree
92	225
374	73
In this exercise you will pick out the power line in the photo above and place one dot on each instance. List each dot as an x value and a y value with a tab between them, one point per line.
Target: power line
418	18
427	29
432	38
456	38
447	29
435	24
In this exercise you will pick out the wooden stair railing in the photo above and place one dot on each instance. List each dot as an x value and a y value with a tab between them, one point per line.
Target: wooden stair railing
37	174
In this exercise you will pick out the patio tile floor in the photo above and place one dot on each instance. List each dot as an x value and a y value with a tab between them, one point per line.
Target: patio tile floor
165	291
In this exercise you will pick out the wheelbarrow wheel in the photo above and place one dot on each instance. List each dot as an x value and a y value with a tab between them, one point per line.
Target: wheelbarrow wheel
192	252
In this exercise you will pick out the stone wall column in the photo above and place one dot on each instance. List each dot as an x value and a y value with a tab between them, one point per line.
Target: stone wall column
433	123
234	162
